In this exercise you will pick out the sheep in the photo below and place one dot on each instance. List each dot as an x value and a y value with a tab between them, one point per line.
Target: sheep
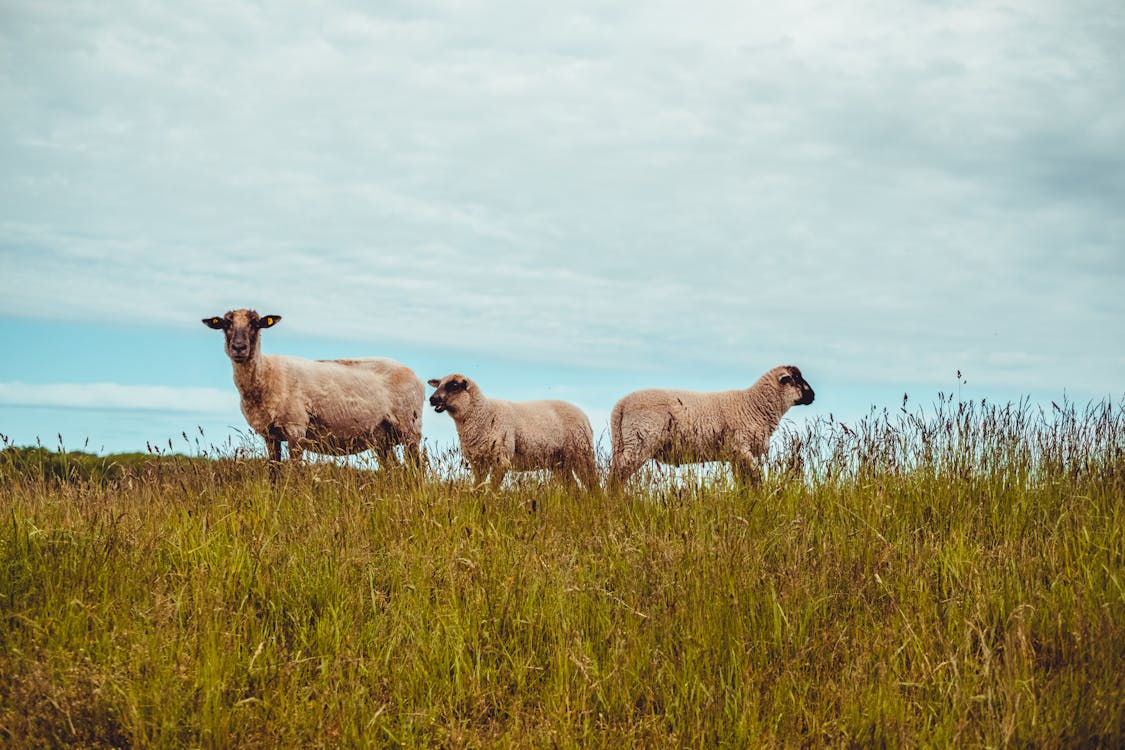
501	436
681	427
332	407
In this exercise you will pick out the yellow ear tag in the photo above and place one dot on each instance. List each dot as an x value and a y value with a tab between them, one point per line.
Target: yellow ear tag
269	321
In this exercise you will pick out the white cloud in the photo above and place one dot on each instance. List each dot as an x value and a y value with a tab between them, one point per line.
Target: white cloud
882	192
211	401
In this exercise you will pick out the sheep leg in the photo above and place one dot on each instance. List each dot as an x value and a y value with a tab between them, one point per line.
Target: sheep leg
387	439
412	454
295	435
563	473
385	452
273	446
633	444
588	474
747	471
496	476
502	451
411	439
623	467
480	472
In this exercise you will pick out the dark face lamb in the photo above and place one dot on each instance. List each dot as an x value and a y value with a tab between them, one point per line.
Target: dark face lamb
451	394
795	386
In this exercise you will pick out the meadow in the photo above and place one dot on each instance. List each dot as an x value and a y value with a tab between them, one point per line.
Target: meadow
946	576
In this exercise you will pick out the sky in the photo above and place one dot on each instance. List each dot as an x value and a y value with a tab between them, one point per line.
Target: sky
569	201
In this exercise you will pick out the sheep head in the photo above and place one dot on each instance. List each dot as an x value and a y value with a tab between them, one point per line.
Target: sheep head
792	386
240	329
454	393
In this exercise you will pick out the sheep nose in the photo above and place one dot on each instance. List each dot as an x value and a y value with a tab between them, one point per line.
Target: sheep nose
434	400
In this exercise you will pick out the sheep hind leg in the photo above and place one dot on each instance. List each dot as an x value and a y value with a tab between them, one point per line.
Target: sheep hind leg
623	467
565	475
587	471
412	454
385	454
412	459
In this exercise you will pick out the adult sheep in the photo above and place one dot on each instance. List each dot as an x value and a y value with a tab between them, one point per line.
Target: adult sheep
501	436
682	427
335	407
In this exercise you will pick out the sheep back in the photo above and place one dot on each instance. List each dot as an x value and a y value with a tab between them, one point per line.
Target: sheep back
680	426
544	433
339	406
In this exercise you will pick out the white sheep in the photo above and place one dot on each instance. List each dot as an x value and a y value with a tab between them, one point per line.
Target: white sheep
682	427
501	436
333	407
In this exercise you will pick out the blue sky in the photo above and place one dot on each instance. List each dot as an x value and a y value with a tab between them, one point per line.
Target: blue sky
571	202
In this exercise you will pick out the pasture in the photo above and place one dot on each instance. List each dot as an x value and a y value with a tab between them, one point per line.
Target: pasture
949	576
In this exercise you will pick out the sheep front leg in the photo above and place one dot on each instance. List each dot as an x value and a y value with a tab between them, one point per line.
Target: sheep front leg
273	446
502	451
295	434
481	470
501	465
747	470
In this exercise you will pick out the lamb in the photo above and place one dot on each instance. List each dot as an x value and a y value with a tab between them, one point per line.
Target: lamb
501	436
333	407
681	427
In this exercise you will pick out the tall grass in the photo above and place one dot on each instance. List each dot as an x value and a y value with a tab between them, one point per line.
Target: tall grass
949	576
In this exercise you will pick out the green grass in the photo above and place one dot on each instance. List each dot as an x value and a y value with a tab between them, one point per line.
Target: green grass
947	578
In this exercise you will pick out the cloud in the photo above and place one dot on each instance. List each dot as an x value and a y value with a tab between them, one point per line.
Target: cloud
207	401
884	192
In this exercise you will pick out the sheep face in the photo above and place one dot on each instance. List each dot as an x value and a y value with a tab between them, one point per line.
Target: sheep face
794	388
240	329
452	394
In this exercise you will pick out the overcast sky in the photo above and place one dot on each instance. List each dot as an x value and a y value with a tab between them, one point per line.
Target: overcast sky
573	200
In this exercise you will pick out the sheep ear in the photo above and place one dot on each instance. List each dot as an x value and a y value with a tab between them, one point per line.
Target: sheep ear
268	321
434	382
463	385
785	379
217	323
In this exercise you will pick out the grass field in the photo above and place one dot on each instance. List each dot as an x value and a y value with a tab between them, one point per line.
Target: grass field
952	577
